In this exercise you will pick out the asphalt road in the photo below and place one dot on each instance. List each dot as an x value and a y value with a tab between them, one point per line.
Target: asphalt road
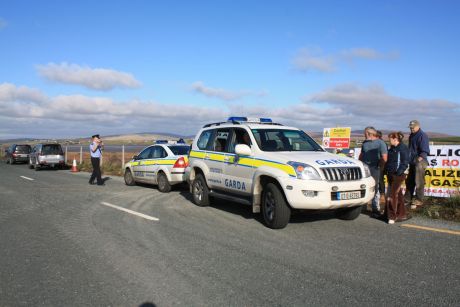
60	246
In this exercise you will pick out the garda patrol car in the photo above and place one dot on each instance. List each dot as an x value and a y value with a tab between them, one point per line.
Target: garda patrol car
275	169
162	164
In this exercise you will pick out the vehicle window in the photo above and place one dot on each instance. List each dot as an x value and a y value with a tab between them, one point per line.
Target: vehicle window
284	140
221	140
239	136
204	138
52	149
145	154
159	152
23	149
180	150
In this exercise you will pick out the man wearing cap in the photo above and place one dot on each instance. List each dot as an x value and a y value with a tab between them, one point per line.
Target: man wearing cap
95	149
419	148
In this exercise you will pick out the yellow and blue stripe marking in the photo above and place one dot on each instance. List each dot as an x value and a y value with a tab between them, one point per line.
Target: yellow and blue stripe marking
243	161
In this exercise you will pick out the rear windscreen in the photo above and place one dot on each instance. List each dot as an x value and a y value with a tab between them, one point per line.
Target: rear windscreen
23	149
51	150
179	150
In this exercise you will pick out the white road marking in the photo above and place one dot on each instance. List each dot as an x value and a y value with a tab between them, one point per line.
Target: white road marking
147	217
27	178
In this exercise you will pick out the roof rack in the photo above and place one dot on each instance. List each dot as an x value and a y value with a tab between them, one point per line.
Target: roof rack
238	120
214	124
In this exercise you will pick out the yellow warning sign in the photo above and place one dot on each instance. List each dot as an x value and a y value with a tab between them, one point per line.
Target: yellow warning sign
340	132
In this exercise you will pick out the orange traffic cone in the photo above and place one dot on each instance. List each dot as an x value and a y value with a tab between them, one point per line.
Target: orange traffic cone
74	166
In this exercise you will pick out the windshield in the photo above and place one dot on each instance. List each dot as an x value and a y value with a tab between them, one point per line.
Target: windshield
284	140
52	149
180	150
23	148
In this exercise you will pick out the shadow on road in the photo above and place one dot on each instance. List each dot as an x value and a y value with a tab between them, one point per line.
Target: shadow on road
298	216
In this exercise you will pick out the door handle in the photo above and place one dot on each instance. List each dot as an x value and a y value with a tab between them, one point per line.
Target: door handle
206	156
226	158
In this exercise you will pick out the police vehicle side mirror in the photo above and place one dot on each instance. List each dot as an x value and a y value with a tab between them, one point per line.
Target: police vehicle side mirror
135	157
243	150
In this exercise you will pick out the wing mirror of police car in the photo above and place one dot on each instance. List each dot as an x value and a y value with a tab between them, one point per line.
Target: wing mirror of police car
243	150
135	157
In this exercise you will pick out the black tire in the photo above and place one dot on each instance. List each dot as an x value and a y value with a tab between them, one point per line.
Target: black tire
129	179
275	210
37	167
200	191
7	161
348	213
163	183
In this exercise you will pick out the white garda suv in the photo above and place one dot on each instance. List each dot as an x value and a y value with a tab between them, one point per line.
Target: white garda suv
162	164
275	169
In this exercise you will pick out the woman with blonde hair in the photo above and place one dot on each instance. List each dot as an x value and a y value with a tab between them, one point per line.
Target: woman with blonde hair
397	164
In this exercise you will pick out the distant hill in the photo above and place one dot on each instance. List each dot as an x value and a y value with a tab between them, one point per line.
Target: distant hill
149	137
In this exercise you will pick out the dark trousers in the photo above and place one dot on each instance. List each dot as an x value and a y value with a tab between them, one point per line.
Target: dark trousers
96	162
395	208
416	181
382	183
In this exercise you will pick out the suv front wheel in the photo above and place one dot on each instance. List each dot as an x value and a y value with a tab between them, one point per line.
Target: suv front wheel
348	213
200	191
275	210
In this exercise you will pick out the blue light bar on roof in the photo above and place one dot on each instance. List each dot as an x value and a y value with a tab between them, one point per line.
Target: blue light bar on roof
237	119
251	120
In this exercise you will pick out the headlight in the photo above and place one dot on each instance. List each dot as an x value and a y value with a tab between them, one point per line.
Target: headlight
367	171
304	171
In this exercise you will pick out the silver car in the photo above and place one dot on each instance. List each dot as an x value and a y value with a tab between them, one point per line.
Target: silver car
47	155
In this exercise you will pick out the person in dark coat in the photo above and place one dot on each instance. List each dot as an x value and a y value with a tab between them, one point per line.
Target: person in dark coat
419	149
396	166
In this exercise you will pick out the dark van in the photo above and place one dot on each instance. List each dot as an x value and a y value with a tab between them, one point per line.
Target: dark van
18	153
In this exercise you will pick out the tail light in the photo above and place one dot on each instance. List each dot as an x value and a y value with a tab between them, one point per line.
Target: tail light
14	154
181	163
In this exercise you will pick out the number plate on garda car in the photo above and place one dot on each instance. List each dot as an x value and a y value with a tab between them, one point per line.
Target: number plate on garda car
349	195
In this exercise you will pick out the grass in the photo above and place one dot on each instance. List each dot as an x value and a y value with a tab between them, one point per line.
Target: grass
441	208
111	162
446	140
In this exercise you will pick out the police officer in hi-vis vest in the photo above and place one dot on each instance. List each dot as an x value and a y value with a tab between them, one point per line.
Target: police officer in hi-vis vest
95	149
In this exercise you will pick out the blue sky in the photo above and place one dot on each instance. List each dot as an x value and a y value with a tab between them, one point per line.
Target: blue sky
72	69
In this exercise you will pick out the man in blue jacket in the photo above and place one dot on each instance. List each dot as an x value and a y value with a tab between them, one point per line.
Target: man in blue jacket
419	148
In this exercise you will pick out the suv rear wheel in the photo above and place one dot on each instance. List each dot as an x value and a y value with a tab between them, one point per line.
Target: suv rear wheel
200	191
163	183
348	213
275	210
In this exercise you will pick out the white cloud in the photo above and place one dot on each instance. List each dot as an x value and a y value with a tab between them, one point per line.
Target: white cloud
93	78
10	92
313	59
3	23
201	88
74	115
367	53
31	113
372	105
